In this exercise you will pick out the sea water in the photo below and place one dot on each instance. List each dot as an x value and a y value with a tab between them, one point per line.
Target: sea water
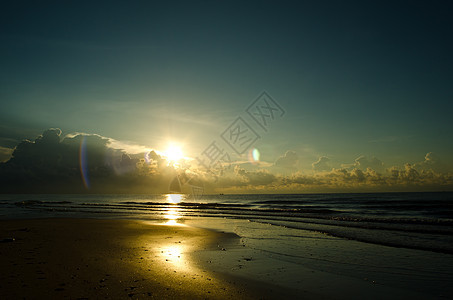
409	220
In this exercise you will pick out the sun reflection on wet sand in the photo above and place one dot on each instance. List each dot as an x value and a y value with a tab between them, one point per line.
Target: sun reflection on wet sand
174	254
172	215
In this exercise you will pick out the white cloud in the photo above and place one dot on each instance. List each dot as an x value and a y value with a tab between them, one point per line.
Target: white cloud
288	160
129	147
322	164
432	162
364	162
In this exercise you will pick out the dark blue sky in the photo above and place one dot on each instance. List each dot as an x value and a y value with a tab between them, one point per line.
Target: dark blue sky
355	79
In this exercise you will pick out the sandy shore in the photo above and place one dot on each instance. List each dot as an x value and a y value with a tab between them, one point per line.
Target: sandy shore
88	258
124	259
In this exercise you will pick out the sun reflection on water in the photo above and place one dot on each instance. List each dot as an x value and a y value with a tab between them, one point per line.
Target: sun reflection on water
175	198
173	212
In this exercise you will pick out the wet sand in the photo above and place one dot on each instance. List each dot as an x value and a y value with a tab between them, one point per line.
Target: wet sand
118	259
125	259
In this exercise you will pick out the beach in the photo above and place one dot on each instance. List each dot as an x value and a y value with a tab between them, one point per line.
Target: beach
123	259
226	150
89	258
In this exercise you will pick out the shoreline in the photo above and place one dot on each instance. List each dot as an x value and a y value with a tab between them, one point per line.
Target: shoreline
201	258
92	258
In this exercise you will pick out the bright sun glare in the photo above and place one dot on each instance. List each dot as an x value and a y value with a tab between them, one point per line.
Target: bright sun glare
173	153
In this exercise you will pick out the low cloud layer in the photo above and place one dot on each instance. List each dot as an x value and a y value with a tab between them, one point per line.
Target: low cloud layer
90	163
393	179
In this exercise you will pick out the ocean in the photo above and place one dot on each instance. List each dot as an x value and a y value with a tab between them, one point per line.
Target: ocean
404	240
410	220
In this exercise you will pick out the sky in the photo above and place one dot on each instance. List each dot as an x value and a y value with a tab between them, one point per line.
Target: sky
355	96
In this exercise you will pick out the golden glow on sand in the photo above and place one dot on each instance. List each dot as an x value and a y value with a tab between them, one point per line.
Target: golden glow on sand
174	254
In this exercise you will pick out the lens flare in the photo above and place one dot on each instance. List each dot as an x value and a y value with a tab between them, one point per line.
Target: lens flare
83	163
254	156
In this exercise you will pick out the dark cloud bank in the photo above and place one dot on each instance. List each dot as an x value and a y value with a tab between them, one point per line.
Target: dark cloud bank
52	164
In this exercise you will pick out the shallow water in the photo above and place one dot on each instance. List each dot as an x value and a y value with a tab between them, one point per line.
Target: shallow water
294	258
410	220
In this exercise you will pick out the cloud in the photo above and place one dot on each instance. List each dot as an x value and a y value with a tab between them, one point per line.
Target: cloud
5	153
288	160
129	147
260	177
394	179
432	162
322	164
410	176
363	163
431	158
361	176
405	178
52	164
241	180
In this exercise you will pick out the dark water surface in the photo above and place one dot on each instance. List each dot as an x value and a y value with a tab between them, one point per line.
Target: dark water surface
410	220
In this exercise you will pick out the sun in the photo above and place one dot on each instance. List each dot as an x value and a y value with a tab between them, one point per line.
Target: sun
173	153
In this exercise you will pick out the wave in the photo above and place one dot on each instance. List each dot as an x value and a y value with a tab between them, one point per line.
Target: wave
399	220
38	202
